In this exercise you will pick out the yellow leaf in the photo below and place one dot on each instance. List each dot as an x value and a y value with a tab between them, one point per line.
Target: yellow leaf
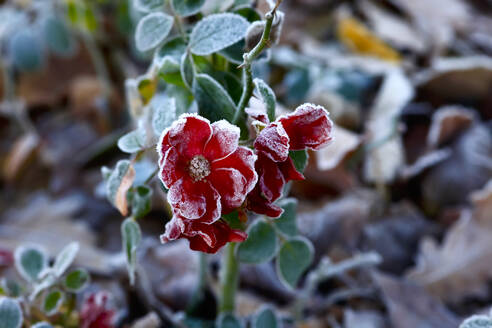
147	88
361	40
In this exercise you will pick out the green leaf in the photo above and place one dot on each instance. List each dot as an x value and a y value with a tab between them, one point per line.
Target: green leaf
58	37
173	49
300	159
217	32
146	88
11	287
265	318
43	324
286	223
148	5
76	280
477	321
10	313
152	30
133	141
163	113
213	101
268	97
140	200
45	283
52	301
30	261
293	259
227	320
25	51
249	13
65	258
234	53
131	235
261	244
186	8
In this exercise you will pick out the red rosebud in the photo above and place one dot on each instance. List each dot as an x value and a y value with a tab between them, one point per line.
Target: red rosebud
206	171
208	238
95	312
307	127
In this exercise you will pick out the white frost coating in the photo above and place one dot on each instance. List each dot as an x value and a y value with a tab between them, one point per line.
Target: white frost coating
216	32
279	176
192	207
227	136
250	159
19	251
238	186
152	30
167	164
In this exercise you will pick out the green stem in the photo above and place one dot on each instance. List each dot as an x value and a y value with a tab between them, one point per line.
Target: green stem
199	293
229	279
98	62
246	65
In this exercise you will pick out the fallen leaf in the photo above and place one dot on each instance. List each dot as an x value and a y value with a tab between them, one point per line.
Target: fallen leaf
330	157
363	319
447	122
460	265
120	200
19	154
410	306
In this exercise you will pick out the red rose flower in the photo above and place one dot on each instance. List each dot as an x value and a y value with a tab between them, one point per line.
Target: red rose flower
308	127
208	238
203	167
95	312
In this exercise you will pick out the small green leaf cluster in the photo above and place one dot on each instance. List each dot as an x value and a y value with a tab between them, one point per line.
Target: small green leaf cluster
48	288
279	239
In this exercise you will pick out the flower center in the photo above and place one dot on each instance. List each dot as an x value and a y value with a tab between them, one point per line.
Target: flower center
199	168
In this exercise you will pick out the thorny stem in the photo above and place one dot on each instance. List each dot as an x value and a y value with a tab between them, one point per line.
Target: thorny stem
246	65
229	279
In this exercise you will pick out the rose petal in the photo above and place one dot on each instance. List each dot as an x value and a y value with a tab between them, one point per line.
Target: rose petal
163	146
258	204
189	134
271	180
274	142
224	140
257	114
174	229
172	167
231	185
243	160
210	238
289	171
307	127
195	200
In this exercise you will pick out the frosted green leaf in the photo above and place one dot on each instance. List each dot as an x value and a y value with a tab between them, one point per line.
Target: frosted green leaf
10	313
65	258
265	318
171	50
76	280
131	236
294	257
268	97
148	5
261	244
477	321
52	301
300	159
114	181
25	51
152	30
228	320
30	261
58	37
140	200
133	141
43	324
217	32
286	223
213	100
163	113
187	7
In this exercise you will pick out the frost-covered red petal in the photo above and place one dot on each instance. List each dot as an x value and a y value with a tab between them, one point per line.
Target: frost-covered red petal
189	134
271	180
231	185
289	170
274	142
243	160
203	237
257	114
258	204
195	200
307	127
223	142
96	312
172	167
